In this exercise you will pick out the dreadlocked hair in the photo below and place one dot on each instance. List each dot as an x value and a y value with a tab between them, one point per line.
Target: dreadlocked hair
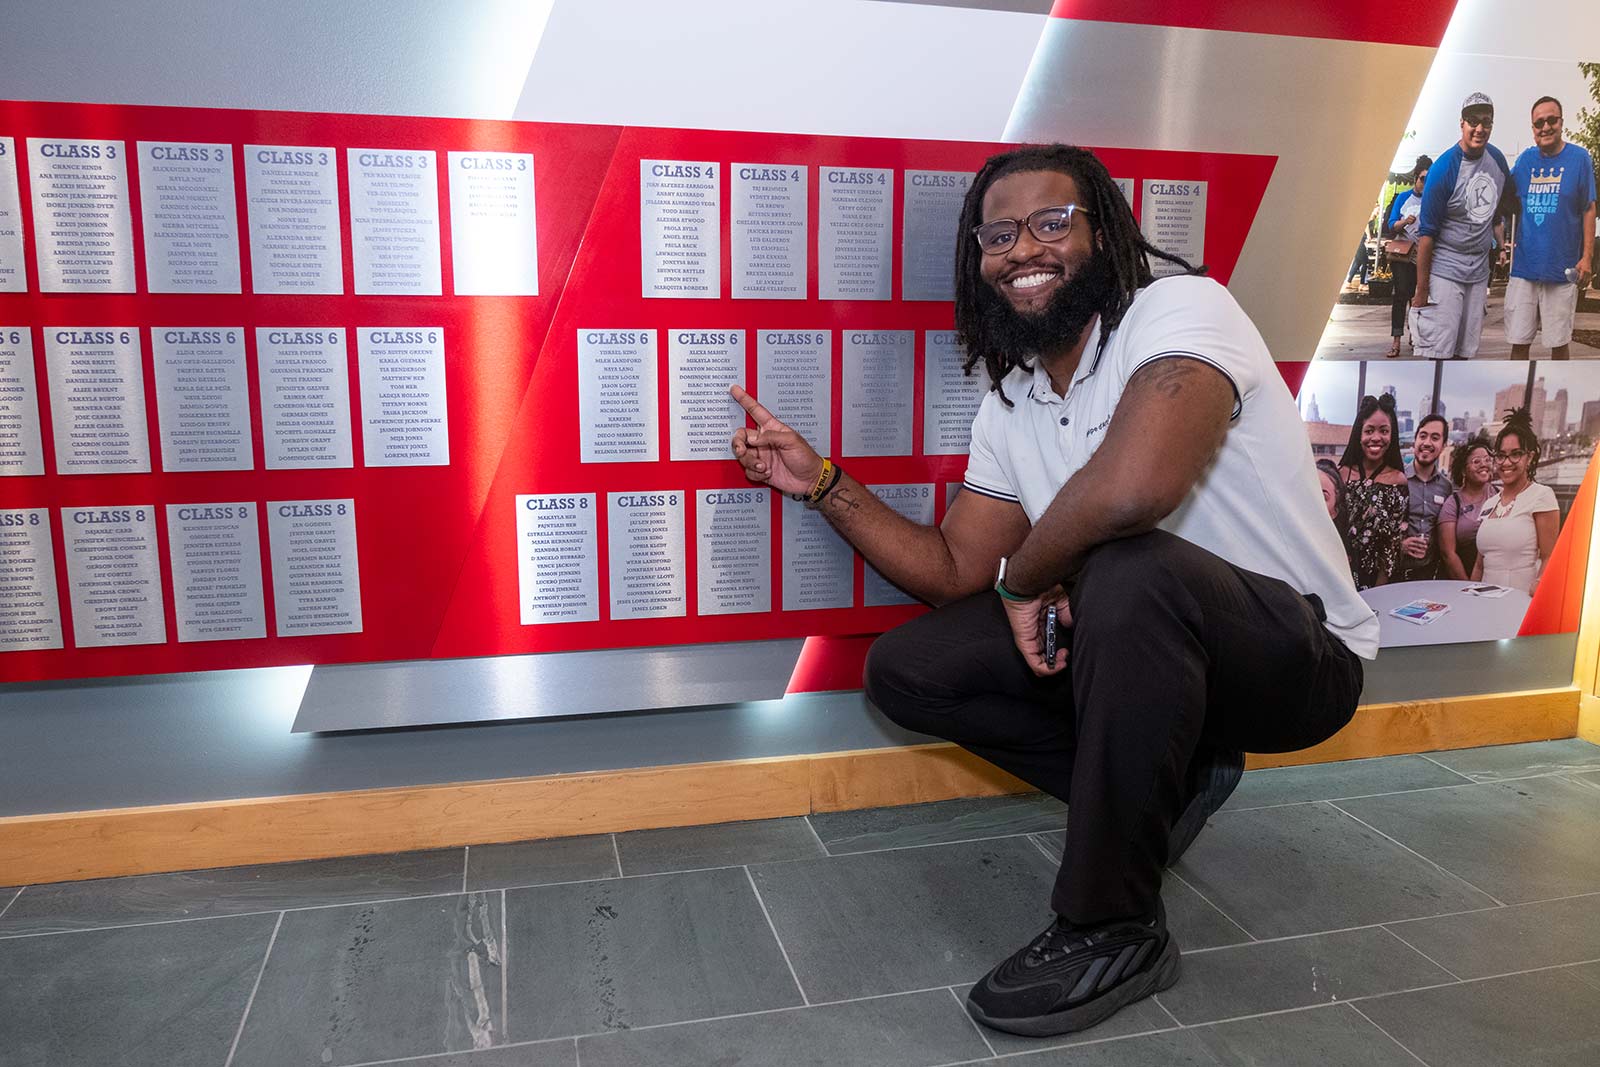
1111	225
1519	424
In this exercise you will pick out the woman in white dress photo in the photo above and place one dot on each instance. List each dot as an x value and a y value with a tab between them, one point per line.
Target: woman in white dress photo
1518	528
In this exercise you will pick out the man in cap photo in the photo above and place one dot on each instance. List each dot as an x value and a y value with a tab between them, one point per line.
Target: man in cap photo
1468	192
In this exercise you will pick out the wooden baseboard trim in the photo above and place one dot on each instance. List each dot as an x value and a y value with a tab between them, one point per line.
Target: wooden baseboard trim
1436	725
98	844
1589	719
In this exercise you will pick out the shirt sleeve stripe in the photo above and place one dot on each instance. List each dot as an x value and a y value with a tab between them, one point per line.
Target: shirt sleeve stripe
983	490
1238	398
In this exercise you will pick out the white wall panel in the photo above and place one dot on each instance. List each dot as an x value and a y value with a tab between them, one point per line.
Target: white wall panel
394	57
840	67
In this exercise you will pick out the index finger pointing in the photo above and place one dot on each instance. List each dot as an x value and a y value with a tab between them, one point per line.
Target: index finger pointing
760	414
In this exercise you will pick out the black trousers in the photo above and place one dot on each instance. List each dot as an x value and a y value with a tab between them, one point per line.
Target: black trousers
1172	649
1405	287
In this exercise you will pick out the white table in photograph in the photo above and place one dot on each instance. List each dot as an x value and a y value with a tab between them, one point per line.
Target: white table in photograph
1470	618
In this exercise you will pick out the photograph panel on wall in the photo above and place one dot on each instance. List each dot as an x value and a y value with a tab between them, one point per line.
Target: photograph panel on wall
1519	218
1451	484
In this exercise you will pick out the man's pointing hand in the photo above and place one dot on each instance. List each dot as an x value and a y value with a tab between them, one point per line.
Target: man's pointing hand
773	454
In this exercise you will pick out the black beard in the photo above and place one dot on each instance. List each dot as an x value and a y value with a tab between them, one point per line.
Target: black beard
1061	321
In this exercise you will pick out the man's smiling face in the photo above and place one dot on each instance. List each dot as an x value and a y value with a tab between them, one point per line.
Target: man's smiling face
1029	273
1428	443
1547	126
1476	125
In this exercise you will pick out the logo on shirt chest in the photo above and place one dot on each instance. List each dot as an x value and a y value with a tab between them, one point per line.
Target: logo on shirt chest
1097	427
1544	192
1481	197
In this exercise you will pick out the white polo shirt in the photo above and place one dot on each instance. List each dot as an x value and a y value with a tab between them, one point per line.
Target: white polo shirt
1258	506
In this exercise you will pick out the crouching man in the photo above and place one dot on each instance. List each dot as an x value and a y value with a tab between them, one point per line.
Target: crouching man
1139	465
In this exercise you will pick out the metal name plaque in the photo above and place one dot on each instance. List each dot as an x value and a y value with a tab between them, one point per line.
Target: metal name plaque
394	221
305	398
191	221
83	231
645	546
879	373
950	397
733	540
928	246
915	502
618	420
316	577
97	400
557	558
818	564
855	219
680	228
31	616
292	193
114	575
794	381
768	231
202	398
216	571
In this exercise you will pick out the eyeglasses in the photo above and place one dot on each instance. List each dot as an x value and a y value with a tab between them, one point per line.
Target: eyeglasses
1512	456
1421	177
1487	121
1548	120
1048	225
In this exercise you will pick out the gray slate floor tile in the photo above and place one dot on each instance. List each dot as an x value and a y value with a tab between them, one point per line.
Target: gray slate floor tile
1140	1017
1195	922
910	1030
562	1053
231	891
1332	1036
1589	974
1332	781
689	848
169	995
888	922
1530	1020
1278	872
609	955
1297	973
8	895
1531	839
1502	940
940	822
1500	762
561	859
379	981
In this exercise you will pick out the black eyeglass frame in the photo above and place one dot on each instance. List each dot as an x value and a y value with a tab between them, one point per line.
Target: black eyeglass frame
1072	210
1548	120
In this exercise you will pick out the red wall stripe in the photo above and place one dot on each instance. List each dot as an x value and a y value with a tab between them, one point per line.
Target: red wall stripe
1420	23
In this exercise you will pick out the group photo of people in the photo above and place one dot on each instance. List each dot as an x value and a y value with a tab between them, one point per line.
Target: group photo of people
1481	243
1449	483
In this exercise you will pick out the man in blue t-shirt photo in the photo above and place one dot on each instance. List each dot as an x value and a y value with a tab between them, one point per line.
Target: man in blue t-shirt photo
1555	235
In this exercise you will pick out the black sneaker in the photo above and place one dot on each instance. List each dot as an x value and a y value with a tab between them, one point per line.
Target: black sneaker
1214	774
1072	977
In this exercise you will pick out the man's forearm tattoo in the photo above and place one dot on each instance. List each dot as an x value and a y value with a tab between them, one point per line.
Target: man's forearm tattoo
843	497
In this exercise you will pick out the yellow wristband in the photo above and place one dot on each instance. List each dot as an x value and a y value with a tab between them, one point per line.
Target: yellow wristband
823	477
